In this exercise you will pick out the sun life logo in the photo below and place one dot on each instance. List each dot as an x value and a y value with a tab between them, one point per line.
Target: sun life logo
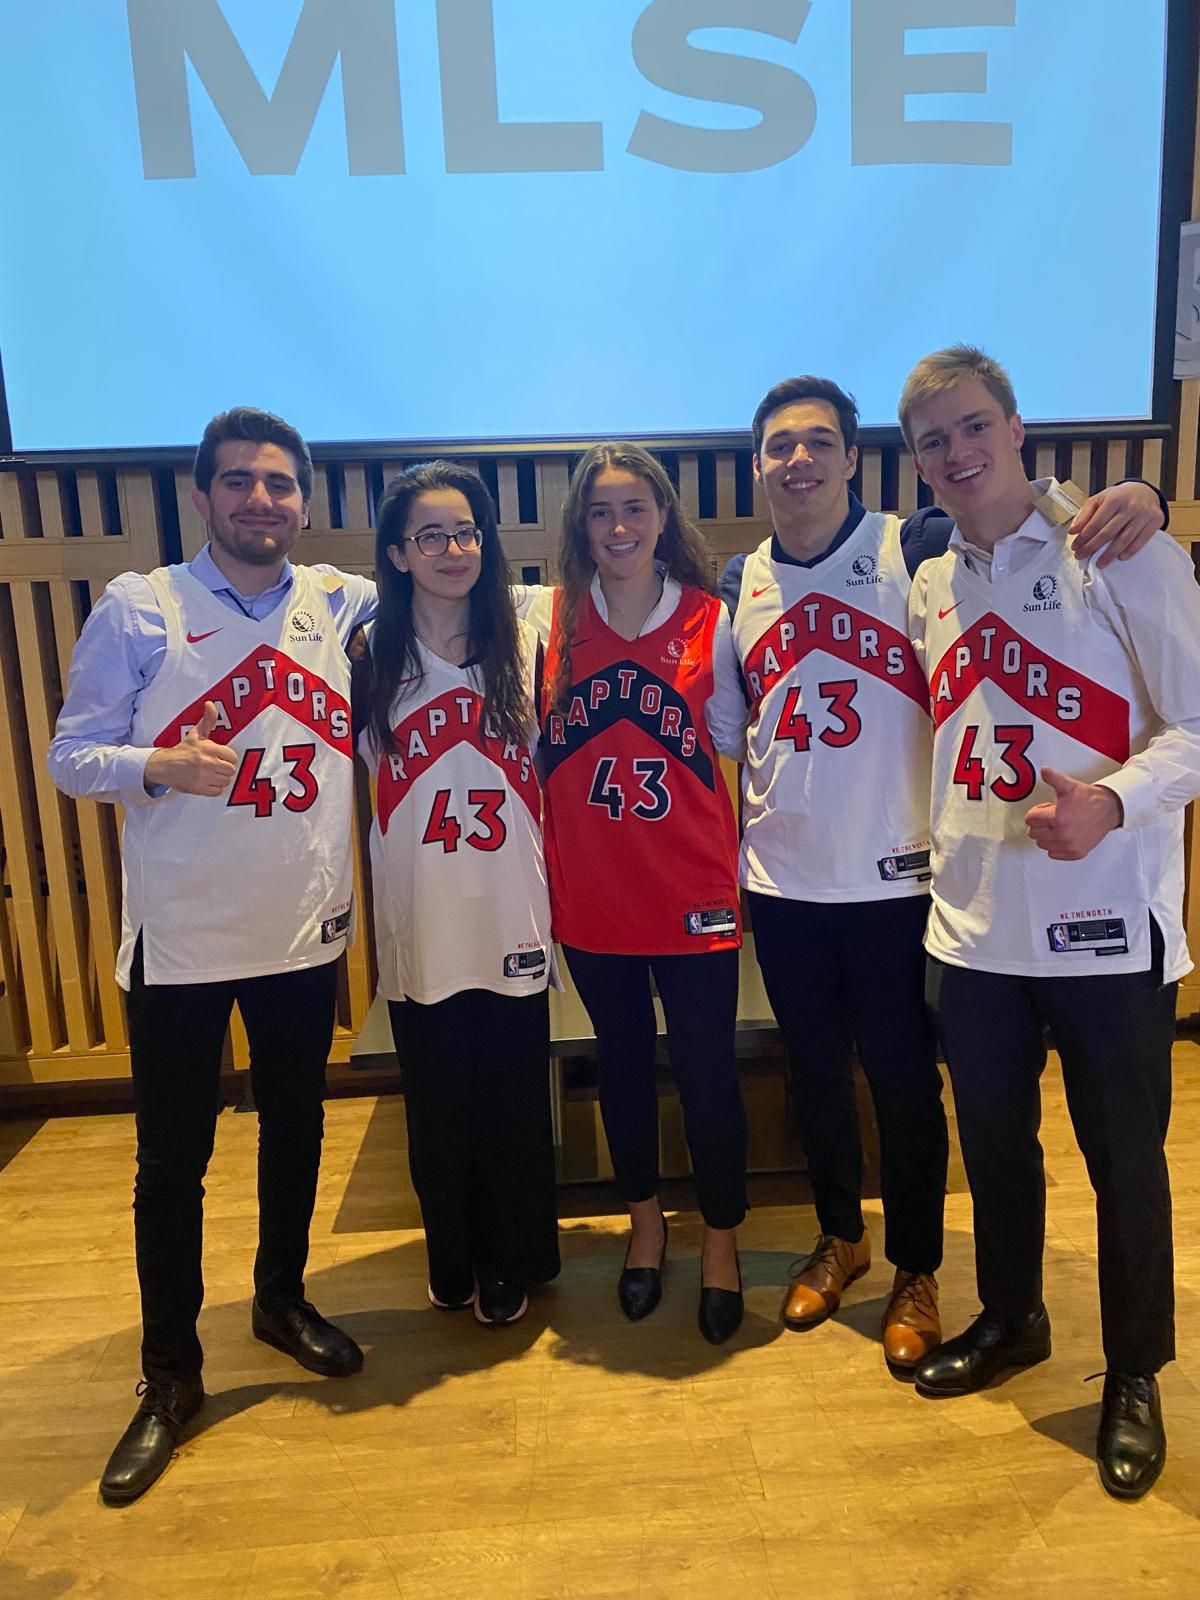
1045	595
303	628
864	567
675	649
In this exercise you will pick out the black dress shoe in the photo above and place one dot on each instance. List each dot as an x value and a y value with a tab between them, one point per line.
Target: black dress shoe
990	1346
721	1312
639	1289
299	1330
148	1443
1131	1446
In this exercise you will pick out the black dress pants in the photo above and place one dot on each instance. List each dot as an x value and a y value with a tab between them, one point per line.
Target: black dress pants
841	974
176	1033
699	997
476	1075
1114	1035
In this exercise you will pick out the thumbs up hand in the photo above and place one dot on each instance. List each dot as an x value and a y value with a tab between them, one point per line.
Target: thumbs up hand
196	765
1071	825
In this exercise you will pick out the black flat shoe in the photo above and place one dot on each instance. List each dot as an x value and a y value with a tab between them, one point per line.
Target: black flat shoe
299	1330
148	1443
990	1346
1131	1446
639	1289
721	1312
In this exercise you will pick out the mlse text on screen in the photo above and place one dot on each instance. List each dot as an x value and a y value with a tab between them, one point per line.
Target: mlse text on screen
489	219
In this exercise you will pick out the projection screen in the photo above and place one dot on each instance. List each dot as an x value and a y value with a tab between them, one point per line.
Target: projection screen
483	220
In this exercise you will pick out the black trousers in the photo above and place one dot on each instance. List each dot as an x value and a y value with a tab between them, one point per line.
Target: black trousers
476	1080
1114	1036
176	1033
699	997
854	973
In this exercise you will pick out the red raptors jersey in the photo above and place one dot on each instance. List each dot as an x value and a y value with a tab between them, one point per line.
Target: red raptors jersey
641	845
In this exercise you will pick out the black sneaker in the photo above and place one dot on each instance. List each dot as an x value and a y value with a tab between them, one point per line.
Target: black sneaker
498	1304
449	1302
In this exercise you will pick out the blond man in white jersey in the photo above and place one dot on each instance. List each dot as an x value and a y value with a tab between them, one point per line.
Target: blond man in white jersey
1066	712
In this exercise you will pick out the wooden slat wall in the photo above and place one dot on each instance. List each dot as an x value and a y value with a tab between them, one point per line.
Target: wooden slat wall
64	534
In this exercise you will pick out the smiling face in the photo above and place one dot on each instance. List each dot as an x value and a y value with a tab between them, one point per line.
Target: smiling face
624	522
453	574
804	466
968	451
254	507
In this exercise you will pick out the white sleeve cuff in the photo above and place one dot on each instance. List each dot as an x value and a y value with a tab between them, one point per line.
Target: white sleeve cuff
1138	796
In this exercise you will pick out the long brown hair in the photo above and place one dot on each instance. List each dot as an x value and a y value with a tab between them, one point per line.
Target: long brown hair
681	546
492	624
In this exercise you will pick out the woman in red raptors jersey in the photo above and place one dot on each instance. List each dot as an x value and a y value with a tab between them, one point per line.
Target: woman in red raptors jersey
462	913
641	849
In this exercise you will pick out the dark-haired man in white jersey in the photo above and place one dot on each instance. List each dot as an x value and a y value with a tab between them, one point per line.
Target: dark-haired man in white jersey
211	701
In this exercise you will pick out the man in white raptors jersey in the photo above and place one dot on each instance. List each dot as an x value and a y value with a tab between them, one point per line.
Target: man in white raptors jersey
820	693
1066	712
211	701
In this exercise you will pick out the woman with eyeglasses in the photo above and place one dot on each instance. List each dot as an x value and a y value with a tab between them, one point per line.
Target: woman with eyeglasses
642	850
462	912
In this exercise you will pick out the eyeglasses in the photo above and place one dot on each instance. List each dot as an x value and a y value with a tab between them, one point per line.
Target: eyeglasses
433	542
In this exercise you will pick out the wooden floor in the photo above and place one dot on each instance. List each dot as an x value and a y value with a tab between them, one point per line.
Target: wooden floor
575	1455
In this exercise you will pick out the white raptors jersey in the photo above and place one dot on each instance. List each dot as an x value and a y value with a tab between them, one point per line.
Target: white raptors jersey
259	879
456	845
835	787
1027	672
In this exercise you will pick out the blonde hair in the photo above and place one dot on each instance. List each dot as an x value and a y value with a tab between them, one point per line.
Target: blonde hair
942	370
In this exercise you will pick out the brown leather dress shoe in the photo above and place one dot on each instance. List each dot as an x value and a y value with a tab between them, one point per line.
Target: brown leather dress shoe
817	1287
912	1327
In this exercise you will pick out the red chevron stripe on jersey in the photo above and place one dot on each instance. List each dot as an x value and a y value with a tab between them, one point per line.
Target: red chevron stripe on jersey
819	622
433	731
267	677
1056	694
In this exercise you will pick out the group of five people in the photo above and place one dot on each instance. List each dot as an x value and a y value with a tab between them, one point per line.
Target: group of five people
964	704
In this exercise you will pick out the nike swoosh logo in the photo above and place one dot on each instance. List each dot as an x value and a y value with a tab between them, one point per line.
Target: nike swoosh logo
754	593
942	615
195	638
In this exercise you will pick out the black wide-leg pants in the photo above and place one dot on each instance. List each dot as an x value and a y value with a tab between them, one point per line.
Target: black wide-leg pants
476	1076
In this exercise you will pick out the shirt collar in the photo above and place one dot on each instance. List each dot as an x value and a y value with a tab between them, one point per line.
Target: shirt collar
1034	527
856	513
665	607
207	572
